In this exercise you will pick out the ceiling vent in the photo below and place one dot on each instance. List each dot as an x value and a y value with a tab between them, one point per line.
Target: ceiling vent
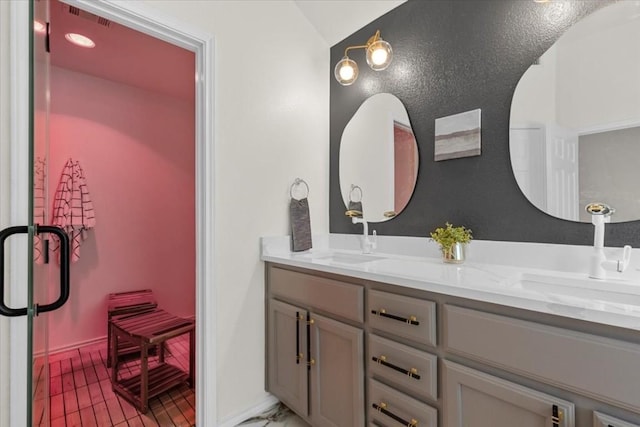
86	15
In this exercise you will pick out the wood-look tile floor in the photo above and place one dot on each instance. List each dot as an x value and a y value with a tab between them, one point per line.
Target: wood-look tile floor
81	395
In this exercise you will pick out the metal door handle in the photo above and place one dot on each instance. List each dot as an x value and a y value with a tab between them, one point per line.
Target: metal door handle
4	235
64	269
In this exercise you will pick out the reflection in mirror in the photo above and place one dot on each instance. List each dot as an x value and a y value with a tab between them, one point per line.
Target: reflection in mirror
354	206
379	158
575	119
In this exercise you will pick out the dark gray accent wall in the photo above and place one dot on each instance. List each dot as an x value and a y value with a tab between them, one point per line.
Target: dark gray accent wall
450	57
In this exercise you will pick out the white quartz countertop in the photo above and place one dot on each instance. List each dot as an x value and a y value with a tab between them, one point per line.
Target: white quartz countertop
539	277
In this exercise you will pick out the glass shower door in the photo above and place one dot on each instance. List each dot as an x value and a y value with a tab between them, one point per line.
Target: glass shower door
39	406
39	284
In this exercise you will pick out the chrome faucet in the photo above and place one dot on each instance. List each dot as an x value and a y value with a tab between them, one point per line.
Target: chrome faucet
367	244
599	264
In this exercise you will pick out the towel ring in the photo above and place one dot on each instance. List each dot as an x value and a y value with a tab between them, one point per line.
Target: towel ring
354	188
297	182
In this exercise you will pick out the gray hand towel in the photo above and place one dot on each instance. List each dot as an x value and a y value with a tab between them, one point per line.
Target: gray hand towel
354	209
300	225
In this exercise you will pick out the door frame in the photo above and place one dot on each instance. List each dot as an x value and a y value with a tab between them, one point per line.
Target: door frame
147	20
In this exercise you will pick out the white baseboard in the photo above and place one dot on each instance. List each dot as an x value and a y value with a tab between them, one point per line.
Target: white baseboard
73	346
231	421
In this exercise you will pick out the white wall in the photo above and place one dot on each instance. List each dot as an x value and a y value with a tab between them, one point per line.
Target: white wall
116	131
587	98
13	201
4	197
272	125
535	95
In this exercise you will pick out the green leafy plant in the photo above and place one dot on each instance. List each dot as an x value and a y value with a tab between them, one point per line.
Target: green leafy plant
449	235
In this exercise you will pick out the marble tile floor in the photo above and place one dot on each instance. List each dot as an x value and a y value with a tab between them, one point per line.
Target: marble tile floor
279	416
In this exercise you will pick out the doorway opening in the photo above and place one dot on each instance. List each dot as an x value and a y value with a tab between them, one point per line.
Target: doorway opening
156	244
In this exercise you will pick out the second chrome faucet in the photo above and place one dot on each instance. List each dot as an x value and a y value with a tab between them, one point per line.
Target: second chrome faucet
599	264
367	243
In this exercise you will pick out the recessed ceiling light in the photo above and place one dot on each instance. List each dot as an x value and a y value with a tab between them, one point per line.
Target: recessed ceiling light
39	27
80	40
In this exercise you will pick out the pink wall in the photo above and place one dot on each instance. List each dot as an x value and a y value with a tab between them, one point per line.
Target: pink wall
137	149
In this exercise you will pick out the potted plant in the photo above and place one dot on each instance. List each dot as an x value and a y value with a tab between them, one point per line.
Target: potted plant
452	241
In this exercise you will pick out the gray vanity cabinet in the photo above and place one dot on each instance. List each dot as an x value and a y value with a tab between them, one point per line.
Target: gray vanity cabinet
475	399
337	385
603	420
417	345
315	362
287	358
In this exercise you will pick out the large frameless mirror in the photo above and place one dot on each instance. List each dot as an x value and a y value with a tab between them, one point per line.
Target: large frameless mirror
378	159
575	119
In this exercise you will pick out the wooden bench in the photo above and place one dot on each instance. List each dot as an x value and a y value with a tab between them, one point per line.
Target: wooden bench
146	330
121	303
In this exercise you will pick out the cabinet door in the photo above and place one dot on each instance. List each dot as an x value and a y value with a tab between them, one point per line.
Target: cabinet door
287	372
603	420
475	399
337	374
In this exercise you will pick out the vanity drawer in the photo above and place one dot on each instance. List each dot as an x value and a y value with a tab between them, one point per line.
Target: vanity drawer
342	299
406	317
598	367
602	420
389	407
413	371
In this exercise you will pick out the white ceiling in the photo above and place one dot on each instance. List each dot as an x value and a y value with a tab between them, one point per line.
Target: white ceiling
121	54
335	20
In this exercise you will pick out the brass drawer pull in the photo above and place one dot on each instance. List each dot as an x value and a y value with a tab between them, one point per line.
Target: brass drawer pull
382	360
382	408
411	320
556	416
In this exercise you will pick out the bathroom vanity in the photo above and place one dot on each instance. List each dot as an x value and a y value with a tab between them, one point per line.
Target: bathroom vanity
392	338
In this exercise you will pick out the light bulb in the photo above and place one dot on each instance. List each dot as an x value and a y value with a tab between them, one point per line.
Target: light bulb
379	55
39	27
346	71
79	40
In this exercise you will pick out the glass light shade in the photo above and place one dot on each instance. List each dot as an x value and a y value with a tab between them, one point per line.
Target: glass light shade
346	71
79	40
379	55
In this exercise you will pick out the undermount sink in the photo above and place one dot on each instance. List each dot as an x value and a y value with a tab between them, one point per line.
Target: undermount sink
341	257
560	287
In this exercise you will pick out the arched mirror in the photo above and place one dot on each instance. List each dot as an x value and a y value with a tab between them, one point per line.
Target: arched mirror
378	159
575	119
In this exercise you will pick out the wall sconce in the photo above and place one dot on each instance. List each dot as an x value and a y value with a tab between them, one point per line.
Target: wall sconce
379	55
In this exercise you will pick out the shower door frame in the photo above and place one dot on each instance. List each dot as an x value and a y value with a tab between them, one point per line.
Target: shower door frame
147	20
